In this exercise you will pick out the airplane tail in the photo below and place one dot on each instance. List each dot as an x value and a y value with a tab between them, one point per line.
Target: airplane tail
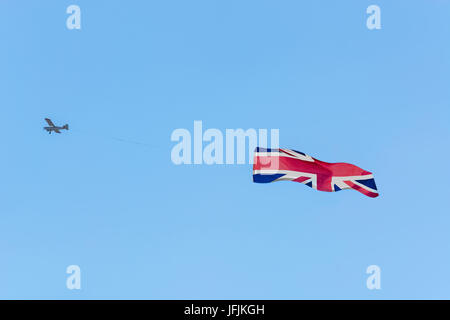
66	127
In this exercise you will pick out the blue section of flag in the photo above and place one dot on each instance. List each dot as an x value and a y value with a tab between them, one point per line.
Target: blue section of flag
368	183
299	152
266	178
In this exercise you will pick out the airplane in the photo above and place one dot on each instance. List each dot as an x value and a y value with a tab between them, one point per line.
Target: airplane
52	127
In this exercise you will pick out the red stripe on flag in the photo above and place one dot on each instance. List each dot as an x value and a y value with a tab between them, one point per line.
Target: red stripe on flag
301	179
361	189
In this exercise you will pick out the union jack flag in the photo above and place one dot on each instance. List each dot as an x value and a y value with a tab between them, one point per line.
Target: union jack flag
271	165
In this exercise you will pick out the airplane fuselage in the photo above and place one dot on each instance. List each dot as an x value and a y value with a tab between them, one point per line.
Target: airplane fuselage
56	129
51	127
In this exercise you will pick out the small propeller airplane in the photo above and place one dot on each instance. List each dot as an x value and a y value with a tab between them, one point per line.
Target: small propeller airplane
52	127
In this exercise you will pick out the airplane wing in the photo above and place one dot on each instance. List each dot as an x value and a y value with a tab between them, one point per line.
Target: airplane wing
57	131
50	123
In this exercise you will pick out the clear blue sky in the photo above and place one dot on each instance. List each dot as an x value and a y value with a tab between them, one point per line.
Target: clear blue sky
141	227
